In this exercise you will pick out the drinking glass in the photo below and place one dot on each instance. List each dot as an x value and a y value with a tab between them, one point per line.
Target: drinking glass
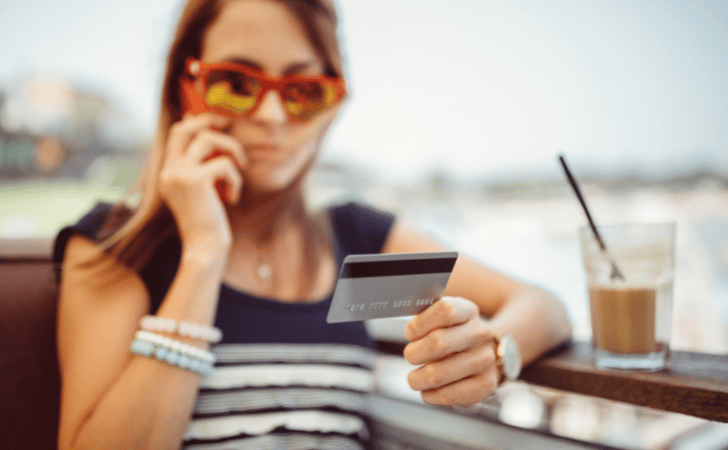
631	315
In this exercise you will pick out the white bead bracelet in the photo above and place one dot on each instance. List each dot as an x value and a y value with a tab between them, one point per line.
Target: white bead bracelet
206	333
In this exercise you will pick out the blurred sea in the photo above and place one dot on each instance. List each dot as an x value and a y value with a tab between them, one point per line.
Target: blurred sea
528	230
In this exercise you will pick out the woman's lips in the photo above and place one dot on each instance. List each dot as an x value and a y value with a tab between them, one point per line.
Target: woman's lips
261	151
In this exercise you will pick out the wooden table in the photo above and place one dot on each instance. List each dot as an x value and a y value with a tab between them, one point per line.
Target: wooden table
524	415
694	383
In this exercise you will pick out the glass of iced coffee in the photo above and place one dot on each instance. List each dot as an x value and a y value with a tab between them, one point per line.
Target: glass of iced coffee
631	307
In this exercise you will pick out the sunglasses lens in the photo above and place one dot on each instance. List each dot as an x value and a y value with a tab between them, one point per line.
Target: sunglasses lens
305	99
232	91
237	92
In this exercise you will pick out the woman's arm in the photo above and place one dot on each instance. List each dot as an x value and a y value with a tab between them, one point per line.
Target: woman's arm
111	398
452	342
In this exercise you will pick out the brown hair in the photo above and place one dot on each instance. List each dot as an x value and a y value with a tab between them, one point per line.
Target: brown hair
132	236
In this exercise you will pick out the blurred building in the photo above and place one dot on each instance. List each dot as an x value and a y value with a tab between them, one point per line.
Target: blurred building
49	128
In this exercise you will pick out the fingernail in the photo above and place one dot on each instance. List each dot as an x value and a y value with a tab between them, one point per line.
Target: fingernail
407	333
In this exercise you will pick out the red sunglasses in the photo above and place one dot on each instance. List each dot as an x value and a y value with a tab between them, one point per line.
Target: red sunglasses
235	90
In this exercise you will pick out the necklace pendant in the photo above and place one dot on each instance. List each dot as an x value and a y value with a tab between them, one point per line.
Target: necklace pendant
264	272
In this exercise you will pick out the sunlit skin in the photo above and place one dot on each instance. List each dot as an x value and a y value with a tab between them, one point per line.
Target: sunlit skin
265	35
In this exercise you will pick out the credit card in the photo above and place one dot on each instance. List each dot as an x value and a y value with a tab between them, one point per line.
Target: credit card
389	285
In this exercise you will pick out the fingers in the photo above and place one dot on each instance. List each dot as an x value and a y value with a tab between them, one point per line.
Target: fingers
466	392
444	313
461	379
455	349
227	178
209	144
442	342
182	132
194	147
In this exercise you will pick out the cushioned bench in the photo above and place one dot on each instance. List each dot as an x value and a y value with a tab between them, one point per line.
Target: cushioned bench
29	379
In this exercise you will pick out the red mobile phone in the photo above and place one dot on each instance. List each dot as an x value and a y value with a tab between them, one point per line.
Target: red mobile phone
191	100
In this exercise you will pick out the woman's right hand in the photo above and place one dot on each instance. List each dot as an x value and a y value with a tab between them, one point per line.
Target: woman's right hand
201	171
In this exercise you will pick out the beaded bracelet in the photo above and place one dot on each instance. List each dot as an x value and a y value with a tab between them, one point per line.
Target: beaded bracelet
173	352
187	329
181	347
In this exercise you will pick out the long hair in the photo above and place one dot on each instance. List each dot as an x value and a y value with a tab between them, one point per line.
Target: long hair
131	235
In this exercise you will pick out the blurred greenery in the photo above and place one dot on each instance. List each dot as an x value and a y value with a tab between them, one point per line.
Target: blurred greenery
38	206
19	152
41	208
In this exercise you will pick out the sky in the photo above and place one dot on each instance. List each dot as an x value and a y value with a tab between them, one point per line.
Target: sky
476	88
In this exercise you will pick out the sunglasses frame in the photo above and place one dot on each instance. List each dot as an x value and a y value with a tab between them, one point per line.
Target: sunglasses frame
193	86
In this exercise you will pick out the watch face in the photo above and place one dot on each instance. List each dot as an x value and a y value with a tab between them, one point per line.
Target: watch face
510	357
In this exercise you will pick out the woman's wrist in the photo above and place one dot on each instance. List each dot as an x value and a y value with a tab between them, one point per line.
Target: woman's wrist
192	297
205	253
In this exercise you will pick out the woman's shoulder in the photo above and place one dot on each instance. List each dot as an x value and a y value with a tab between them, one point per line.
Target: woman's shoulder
354	212
79	257
88	226
359	227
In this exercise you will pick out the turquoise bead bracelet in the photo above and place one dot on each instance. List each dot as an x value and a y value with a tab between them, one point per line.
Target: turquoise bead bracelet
174	353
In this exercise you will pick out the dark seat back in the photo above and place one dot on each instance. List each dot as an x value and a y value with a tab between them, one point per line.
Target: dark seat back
29	378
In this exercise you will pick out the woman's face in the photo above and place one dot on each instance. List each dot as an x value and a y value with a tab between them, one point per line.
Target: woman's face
265	35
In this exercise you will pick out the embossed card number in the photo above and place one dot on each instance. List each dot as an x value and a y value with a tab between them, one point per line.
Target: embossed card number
389	285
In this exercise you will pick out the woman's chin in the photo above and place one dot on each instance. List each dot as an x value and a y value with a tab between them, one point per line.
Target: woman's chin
264	179
265	186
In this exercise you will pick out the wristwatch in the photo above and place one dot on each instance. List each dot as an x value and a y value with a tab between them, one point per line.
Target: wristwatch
508	356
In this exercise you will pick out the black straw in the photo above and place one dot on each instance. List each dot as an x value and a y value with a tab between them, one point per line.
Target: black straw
615	271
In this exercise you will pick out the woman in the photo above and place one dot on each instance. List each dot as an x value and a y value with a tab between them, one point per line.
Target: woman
221	264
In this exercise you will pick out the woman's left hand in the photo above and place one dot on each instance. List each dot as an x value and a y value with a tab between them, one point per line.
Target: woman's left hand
456	351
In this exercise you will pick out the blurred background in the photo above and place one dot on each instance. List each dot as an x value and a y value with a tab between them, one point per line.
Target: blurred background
456	115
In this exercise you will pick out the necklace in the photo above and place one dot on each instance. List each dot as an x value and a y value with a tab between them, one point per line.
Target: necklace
264	272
